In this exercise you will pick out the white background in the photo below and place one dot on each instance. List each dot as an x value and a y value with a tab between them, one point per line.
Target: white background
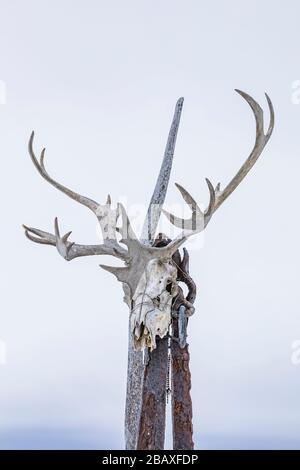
98	82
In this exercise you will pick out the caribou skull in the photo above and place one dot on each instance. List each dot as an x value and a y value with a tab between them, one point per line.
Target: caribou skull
152	302
148	274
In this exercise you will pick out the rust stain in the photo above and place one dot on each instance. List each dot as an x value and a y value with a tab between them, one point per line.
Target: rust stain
153	415
181	397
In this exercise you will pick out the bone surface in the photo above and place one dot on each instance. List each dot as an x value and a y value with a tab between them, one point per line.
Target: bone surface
151	313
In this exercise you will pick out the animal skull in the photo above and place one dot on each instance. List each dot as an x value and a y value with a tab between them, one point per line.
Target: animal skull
151	303
148	275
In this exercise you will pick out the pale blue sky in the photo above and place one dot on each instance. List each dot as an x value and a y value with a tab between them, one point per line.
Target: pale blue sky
98	82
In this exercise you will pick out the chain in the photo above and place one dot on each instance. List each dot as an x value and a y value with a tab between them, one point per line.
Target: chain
168	382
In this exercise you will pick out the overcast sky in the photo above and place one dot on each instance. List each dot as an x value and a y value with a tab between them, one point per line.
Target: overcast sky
98	81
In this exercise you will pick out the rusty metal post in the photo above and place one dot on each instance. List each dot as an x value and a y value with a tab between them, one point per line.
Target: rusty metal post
153	415
182	413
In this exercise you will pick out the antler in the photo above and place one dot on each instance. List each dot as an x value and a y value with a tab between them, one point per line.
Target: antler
70	250
261	141
199	219
106	216
40	166
137	254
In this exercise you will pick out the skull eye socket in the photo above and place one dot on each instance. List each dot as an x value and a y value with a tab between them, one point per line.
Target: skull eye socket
169	286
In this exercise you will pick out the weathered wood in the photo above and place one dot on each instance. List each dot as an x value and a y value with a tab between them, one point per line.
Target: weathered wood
135	380
153	415
136	368
162	182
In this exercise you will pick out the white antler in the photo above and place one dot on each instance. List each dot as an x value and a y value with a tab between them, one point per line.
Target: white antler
199	219
40	166
261	140
138	255
70	250
107	218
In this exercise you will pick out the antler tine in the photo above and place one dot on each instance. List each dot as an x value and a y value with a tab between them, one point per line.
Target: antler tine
260	143
212	200
195	224
196	211
44	238
41	241
90	203
198	220
126	229
56	228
